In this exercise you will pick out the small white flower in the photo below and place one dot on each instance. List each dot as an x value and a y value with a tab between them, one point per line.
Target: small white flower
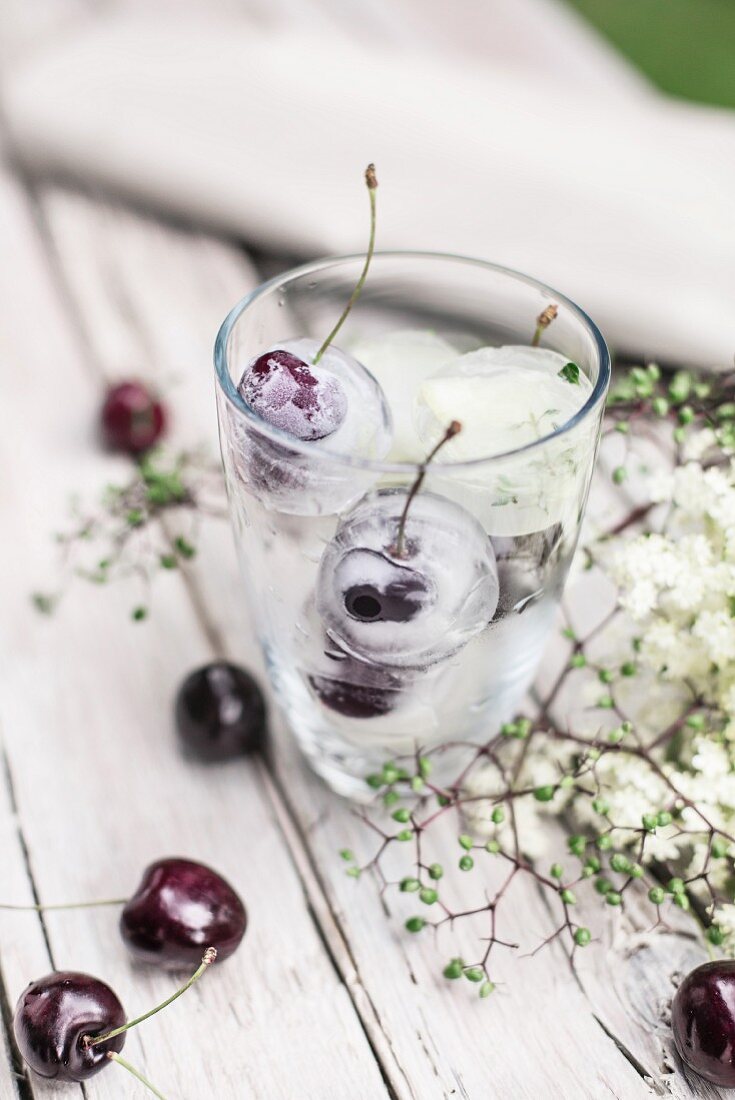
697	444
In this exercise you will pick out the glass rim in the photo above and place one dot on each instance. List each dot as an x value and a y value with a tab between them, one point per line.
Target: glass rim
306	448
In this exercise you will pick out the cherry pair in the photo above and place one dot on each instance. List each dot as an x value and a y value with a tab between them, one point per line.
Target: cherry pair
68	1025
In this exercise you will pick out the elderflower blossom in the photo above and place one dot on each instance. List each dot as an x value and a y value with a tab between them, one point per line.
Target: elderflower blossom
679	587
698	443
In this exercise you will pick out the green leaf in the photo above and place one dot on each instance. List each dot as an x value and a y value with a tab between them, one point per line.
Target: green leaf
544	794
390	773
453	969
184	548
44	603
570	372
409	885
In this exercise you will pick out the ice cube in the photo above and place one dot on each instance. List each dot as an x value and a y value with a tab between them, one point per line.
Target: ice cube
507	398
310	478
401	361
504	398
413	609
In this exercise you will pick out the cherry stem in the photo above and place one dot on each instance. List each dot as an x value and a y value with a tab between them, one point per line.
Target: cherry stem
400	545
65	905
114	1057
543	321
209	956
372	183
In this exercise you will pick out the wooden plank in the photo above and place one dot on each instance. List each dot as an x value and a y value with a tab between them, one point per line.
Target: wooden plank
433	1040
24	949
100	787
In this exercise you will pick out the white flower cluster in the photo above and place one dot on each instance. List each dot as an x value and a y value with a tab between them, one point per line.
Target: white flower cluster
679	587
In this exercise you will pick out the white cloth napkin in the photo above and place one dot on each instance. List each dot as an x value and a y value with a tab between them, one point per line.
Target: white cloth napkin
617	196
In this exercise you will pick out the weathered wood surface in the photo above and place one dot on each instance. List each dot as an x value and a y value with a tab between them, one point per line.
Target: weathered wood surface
328	996
87	732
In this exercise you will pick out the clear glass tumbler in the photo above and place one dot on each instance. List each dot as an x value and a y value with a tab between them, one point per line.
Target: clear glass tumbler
503	528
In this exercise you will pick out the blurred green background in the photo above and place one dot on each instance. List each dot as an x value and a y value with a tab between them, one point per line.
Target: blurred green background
687	47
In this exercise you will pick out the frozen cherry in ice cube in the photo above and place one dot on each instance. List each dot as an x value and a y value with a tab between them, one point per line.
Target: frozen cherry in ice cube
306	401
377	589
414	608
354	688
347	696
333	408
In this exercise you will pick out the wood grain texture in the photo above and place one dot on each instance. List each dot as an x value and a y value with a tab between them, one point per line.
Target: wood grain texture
99	784
95	787
152	295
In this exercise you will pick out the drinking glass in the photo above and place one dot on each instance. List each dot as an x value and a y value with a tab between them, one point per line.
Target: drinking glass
506	525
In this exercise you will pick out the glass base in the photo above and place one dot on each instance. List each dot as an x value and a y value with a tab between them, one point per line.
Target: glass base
345	750
345	767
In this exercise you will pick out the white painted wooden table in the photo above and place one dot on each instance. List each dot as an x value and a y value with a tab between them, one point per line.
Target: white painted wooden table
328	998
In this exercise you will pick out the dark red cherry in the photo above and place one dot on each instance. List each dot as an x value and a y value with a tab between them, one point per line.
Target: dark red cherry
703	1021
132	419
288	393
350	699
53	1017
355	689
395	593
220	712
180	908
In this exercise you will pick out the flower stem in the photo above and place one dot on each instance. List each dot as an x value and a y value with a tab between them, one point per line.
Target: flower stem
209	956
114	1057
372	183
400	545
65	905
543	321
